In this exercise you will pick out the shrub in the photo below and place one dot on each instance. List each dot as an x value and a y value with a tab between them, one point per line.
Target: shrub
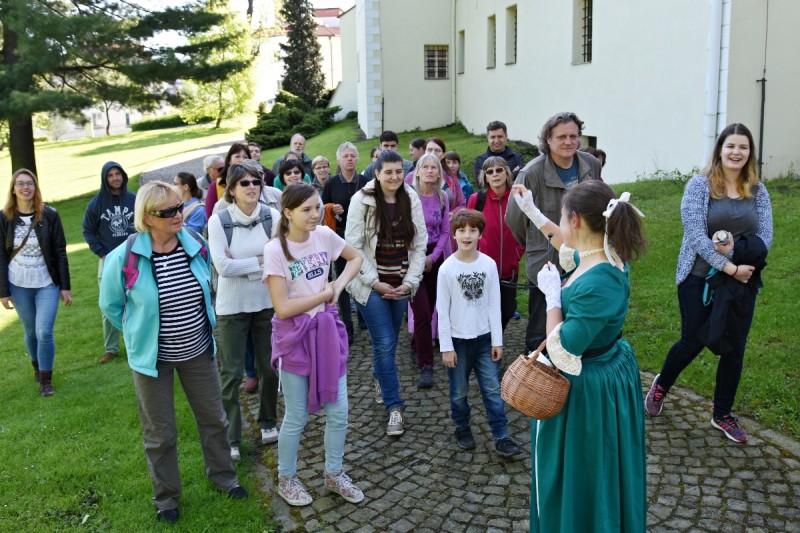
167	121
288	116
351	115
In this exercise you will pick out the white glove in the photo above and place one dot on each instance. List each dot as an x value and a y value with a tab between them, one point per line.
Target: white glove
525	202
549	282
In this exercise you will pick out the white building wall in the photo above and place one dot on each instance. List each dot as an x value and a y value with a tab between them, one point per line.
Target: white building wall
345	93
642	95
411	101
751	47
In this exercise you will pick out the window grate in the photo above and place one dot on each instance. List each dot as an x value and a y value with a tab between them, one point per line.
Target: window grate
436	62
587	31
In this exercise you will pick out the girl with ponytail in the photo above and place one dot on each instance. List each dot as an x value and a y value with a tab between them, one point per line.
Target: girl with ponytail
592	454
309	340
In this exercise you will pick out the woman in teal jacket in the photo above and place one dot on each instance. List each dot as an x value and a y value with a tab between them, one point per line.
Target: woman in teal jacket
157	290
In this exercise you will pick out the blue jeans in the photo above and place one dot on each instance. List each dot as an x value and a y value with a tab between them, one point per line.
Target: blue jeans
383	318
476	354
37	309
295	397
250	357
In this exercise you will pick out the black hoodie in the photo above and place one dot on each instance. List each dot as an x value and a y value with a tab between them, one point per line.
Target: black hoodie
109	219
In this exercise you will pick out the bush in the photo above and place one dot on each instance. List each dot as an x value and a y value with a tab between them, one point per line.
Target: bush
288	116
167	121
351	115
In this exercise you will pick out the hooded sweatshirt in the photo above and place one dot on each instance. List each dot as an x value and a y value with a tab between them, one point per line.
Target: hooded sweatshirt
109	219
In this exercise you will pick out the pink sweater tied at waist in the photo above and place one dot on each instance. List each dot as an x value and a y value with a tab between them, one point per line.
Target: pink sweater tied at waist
315	347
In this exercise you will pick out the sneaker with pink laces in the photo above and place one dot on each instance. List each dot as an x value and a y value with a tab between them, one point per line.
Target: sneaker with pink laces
728	425
292	490
342	485
654	401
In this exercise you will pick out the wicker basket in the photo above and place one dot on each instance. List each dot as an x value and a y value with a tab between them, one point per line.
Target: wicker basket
533	388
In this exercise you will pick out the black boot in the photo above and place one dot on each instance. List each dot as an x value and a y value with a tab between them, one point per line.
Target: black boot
45	383
36	370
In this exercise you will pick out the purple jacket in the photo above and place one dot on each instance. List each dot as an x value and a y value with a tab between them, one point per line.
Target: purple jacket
314	347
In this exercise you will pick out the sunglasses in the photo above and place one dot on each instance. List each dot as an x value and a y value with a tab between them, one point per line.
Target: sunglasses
293	171
219	169
247	183
169	212
493	171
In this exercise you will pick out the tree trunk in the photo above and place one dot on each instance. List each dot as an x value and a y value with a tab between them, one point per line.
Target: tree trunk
20	143
108	118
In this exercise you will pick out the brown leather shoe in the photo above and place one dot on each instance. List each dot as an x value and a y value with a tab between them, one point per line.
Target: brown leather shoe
106	357
251	385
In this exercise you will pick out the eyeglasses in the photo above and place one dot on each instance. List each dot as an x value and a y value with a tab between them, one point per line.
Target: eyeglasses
22	184
293	171
247	183
493	171
169	212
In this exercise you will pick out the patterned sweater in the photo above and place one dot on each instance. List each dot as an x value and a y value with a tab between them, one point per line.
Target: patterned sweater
694	214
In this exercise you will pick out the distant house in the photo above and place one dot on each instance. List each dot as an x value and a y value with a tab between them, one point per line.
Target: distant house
654	81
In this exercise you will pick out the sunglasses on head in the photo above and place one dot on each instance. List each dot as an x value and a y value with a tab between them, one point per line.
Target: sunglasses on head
493	171
169	212
247	183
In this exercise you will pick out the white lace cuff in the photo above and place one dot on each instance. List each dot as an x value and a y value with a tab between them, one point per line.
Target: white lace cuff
525	203
561	358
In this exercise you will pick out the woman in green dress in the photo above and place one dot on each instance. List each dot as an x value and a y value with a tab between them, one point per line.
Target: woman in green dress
589	460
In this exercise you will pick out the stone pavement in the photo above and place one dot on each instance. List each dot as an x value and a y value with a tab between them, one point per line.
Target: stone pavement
698	480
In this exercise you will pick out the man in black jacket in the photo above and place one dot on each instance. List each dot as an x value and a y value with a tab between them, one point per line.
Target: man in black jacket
497	135
107	223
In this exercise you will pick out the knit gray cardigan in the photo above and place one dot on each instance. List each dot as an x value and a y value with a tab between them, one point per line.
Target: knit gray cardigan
694	214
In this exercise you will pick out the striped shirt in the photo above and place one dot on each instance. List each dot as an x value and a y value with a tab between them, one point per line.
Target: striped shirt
183	331
392	257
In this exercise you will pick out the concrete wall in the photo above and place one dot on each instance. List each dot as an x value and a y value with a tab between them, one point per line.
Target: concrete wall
345	93
411	101
751	46
642	95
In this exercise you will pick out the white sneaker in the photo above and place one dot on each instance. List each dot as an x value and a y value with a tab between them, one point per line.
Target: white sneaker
395	426
268	436
235	455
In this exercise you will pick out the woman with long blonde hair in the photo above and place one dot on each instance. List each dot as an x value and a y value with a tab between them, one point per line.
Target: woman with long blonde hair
34	271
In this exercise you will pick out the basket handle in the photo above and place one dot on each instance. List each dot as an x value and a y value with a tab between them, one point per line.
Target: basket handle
537	351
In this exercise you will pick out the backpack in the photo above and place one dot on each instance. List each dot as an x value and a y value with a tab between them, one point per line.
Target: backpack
130	272
481	201
264	218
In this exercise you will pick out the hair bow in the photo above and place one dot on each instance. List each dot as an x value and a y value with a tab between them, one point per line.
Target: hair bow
624	197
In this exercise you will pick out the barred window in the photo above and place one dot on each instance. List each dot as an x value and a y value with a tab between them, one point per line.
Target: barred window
587	31
436	58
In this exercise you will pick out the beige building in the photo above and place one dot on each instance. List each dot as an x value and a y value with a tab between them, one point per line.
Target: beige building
654	81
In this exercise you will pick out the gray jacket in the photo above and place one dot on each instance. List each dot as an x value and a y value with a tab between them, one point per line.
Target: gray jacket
541	178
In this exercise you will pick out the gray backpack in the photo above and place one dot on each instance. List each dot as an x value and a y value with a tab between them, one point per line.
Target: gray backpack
264	218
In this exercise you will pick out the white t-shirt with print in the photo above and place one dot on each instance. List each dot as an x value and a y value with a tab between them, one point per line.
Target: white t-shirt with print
308	273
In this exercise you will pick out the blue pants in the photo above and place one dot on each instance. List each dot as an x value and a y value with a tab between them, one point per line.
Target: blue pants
476	354
383	318
295	396
37	309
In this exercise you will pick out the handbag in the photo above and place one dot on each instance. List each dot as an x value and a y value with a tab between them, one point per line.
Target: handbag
16	250
533	388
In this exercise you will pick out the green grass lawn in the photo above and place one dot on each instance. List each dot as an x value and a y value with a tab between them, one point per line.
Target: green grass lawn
75	460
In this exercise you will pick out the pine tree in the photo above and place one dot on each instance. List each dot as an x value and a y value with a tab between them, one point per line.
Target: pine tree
303	74
55	51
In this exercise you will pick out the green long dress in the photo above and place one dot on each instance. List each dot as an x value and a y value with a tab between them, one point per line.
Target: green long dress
589	460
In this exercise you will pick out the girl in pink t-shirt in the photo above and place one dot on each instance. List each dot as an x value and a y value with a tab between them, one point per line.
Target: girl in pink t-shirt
309	340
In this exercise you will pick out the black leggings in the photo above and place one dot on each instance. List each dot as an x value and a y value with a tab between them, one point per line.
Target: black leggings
683	352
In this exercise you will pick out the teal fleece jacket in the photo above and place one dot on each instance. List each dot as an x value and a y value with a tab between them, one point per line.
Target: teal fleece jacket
139	318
